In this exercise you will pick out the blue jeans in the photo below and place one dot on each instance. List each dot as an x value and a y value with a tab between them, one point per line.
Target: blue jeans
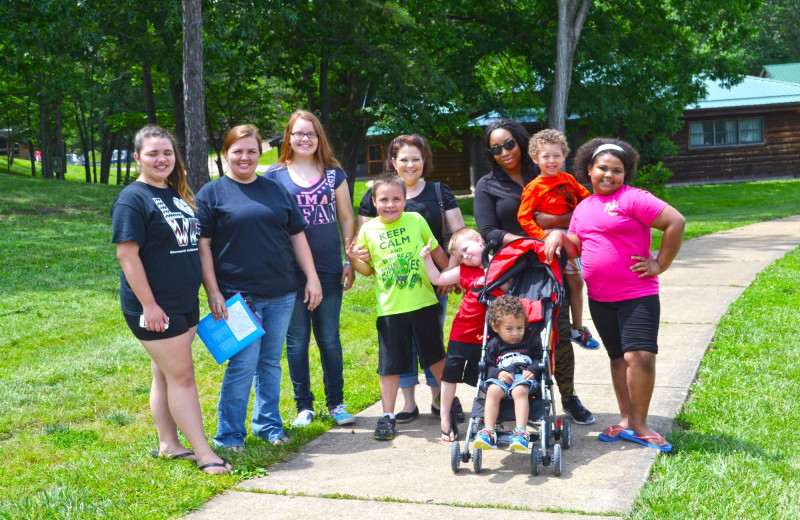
259	363
325	322
411	378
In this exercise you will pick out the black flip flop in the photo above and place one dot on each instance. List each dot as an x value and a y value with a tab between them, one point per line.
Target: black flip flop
223	464
178	456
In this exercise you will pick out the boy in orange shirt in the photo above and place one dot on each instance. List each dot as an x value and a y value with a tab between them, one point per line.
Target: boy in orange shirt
556	193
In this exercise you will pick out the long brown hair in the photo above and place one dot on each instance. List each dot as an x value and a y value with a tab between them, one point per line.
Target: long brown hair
176	179
323	155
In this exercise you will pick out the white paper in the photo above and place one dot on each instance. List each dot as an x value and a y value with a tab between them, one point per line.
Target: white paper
240	323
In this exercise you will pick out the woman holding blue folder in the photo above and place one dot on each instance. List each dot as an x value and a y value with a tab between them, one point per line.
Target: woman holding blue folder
155	230
251	233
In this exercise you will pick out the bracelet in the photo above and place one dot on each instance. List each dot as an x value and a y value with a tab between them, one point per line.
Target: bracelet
347	261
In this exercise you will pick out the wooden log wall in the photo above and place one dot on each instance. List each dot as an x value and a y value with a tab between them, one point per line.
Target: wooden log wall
778	156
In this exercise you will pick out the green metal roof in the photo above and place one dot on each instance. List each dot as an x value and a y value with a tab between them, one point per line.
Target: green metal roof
782	72
752	91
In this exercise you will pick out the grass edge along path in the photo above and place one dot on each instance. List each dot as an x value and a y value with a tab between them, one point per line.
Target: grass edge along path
737	452
75	427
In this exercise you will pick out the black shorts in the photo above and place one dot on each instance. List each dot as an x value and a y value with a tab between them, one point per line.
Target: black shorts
627	325
461	364
394	339
178	324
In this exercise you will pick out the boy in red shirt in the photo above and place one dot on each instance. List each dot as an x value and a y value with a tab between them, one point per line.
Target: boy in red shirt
556	193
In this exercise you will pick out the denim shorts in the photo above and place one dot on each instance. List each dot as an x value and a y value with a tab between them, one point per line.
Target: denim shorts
518	380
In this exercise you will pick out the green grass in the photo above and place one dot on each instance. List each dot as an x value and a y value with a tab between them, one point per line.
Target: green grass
737	452
75	426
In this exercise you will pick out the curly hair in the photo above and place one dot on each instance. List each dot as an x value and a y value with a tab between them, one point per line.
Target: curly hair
548	136
177	179
586	156
505	305
522	138
418	142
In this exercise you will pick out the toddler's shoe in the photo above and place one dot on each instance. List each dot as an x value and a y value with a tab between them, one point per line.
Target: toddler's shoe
584	338
304	419
384	430
341	415
486	440
519	441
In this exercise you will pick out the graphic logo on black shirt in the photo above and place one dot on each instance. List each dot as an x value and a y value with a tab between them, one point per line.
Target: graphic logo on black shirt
186	229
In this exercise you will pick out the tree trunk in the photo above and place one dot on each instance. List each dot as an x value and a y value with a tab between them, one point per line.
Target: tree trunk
80	122
44	135
176	91
149	96
128	164
106	146
118	146
193	95
60	146
570	24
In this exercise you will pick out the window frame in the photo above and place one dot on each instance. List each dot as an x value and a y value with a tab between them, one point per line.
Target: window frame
716	124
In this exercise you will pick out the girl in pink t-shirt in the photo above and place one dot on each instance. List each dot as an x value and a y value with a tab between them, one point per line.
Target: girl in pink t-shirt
610	231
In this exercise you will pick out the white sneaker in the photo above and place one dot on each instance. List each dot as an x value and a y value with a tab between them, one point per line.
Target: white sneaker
304	418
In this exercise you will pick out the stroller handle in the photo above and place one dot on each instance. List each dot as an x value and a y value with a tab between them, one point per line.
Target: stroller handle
491	246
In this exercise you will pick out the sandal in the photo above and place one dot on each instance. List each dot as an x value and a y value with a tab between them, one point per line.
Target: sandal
606	436
156	454
453	429
223	464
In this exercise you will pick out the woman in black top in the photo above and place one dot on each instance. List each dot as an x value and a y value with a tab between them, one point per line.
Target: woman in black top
497	199
156	233
411	158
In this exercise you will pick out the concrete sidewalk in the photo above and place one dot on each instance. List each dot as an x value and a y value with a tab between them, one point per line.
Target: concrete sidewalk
410	476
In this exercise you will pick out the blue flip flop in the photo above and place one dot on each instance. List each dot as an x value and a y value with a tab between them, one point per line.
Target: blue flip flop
612	429
630	435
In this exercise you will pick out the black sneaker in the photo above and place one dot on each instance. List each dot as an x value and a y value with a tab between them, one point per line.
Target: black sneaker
384	430
458	410
577	411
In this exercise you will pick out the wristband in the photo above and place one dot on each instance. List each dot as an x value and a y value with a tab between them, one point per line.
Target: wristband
347	261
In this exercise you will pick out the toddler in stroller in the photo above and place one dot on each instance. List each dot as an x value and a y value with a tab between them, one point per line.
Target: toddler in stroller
512	363
517	359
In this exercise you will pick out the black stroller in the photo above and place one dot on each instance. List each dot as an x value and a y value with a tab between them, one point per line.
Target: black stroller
532	277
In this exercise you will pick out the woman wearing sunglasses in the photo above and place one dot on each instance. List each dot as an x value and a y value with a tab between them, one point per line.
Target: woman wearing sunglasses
497	200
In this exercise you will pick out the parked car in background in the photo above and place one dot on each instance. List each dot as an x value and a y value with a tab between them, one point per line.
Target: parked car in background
121	156
75	159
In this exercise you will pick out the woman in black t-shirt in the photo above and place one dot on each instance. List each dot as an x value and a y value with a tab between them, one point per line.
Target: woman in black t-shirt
156	233
411	158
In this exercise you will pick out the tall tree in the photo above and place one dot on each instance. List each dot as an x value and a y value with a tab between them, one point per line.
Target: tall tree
571	16
194	98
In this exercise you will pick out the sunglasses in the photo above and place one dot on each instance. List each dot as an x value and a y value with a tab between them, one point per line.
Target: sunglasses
508	144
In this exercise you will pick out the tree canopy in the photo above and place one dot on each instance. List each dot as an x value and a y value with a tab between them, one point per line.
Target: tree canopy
83	76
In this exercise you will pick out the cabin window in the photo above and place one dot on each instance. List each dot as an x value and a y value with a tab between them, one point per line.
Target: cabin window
726	132
375	159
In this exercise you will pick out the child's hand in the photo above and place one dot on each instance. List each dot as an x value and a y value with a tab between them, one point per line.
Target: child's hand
355	251
426	250
505	377
552	244
527	374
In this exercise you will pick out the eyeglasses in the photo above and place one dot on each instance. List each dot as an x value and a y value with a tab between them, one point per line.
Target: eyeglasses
508	144
300	135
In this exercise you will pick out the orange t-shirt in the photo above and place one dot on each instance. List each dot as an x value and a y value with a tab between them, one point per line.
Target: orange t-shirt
554	195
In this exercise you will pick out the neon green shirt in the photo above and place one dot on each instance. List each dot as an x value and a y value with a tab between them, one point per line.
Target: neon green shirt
401	283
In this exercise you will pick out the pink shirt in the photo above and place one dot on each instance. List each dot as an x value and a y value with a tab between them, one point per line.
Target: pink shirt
612	228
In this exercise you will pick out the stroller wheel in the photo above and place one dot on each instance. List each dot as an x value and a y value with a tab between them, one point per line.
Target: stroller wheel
566	434
536	460
477	460
557	460
455	457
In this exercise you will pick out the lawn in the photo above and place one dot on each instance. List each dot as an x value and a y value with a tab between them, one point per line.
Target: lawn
75	426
